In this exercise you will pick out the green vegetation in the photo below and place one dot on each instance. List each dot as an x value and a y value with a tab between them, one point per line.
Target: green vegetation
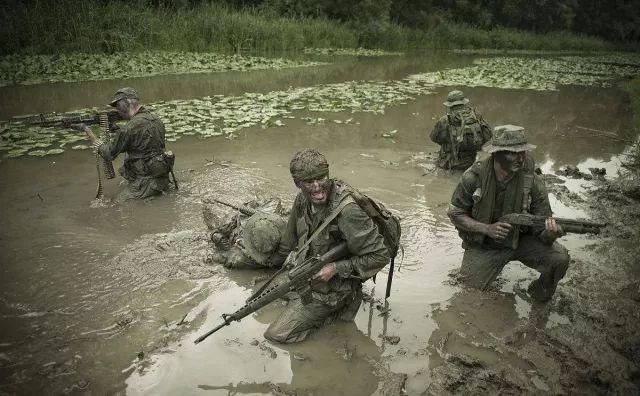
68	26
35	69
227	116
348	52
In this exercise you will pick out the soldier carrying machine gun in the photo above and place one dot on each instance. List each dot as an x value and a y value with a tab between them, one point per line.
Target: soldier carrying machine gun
147	165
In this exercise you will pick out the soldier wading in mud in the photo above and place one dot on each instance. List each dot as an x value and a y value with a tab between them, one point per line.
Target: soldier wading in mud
502	184
146	165
336	290
248	241
460	133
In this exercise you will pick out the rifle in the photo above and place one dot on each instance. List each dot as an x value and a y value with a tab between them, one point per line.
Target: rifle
298	278
242	209
568	225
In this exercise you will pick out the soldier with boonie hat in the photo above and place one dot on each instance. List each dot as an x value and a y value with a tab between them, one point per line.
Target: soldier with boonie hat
460	133
505	183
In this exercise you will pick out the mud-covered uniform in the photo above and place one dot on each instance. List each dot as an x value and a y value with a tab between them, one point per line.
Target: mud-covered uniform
342	294
481	196
460	134
145	166
249	242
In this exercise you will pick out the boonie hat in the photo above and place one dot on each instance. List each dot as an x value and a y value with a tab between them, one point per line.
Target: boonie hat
261	235
508	138
455	98
124	93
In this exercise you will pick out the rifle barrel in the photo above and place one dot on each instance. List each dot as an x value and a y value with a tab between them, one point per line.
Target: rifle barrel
207	334
242	209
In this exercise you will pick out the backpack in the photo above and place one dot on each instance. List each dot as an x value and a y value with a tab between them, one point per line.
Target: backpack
466	129
388	223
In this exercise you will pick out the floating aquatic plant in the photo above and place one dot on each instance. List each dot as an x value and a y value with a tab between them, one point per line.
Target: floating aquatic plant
349	52
36	69
225	116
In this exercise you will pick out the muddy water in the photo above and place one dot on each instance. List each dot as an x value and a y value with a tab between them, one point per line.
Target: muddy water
105	298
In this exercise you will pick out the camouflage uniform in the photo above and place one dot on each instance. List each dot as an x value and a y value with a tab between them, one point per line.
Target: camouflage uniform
342	294
460	133
484	258
248	241
145	168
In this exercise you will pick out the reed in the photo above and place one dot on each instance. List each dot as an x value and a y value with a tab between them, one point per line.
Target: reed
67	26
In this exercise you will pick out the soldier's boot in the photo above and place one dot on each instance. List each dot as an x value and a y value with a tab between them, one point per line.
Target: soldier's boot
542	289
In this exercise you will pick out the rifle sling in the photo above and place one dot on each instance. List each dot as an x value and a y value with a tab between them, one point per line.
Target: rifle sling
317	232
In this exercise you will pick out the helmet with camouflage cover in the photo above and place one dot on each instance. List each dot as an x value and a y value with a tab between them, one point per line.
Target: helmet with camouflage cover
261	236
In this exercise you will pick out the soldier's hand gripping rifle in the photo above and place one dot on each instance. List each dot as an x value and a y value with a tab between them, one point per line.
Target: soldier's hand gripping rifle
298	278
568	225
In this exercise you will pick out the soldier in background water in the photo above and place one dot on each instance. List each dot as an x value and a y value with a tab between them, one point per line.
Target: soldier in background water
460	133
146	165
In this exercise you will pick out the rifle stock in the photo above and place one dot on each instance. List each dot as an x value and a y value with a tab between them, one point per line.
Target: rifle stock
298	277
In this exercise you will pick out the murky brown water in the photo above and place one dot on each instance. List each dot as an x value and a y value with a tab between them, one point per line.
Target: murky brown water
94	298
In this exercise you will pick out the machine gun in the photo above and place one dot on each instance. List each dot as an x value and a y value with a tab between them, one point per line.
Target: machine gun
62	121
297	278
568	225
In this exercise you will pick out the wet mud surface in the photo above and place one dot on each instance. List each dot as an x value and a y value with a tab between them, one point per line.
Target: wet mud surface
107	299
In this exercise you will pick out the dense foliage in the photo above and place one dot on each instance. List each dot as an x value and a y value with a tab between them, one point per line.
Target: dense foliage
616	20
96	26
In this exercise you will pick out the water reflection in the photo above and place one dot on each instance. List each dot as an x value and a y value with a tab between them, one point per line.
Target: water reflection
78	305
59	97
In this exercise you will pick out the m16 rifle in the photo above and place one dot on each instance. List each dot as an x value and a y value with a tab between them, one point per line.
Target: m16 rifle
242	209
298	278
568	225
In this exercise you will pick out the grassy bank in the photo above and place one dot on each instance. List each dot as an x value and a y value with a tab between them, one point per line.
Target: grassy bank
66	26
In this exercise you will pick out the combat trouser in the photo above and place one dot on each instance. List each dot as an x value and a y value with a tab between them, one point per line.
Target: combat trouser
145	178
481	266
298	320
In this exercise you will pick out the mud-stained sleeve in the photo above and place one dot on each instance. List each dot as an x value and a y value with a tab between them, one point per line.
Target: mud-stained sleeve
289	240
439	133
118	144
487	133
462	198
366	245
540	205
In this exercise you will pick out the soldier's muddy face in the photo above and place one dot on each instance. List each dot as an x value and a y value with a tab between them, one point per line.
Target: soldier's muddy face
316	190
511	161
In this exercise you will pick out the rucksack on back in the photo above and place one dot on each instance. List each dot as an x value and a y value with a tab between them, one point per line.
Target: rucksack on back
468	129
388	226
388	223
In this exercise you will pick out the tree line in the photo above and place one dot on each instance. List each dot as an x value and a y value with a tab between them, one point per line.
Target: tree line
613	20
